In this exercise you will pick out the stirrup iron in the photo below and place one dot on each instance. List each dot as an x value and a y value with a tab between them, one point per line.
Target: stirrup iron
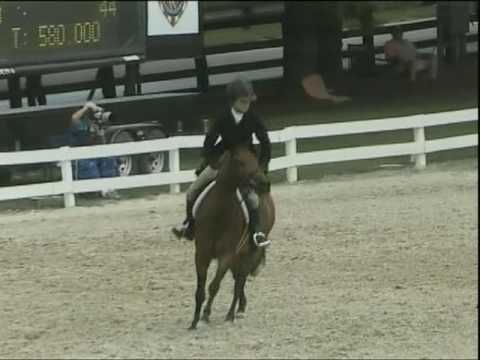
259	236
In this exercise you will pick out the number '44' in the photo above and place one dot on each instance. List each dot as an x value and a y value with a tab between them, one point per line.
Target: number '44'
108	7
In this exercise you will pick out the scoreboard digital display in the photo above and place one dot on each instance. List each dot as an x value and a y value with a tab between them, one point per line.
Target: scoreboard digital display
45	32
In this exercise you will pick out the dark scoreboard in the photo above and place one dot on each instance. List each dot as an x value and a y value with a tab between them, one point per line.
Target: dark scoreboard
38	33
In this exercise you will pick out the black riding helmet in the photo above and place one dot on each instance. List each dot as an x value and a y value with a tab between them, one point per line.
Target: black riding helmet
240	87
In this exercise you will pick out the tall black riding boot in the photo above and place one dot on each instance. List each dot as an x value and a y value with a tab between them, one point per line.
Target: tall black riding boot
190	221
186	229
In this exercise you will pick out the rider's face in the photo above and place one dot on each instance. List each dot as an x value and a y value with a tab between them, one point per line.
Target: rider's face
242	104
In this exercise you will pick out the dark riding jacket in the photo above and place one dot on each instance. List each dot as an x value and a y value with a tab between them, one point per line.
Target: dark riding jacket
224	126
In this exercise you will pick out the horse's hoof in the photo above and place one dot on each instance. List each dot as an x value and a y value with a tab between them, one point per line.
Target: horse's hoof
230	317
178	234
240	315
193	327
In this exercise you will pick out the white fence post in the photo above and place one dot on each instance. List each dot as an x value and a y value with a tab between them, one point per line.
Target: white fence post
67	179
291	150
421	158
174	166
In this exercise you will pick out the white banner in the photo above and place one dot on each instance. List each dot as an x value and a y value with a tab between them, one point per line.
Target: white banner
172	17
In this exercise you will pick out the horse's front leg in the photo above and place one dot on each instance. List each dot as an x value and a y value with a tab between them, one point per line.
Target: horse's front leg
201	264
239	285
243	299
223	265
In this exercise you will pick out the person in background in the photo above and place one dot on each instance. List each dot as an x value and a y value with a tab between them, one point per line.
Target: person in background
402	54
86	129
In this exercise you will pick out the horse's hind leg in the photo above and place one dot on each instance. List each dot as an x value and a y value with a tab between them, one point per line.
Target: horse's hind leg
223	265
239	289
201	264
258	261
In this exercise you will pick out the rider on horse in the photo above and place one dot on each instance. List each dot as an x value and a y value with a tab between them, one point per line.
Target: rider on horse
235	125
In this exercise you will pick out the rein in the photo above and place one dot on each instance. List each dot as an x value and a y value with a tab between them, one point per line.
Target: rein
243	240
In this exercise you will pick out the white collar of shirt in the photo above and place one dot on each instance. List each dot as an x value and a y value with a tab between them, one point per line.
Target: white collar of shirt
238	116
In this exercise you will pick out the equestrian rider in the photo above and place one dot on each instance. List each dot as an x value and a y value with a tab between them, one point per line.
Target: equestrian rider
234	126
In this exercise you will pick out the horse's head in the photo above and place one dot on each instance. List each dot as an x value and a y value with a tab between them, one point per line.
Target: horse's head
239	164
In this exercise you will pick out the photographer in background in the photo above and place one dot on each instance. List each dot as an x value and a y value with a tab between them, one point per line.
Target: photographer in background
87	128
87	124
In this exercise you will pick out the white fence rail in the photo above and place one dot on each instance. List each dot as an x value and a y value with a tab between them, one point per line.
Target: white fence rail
418	148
